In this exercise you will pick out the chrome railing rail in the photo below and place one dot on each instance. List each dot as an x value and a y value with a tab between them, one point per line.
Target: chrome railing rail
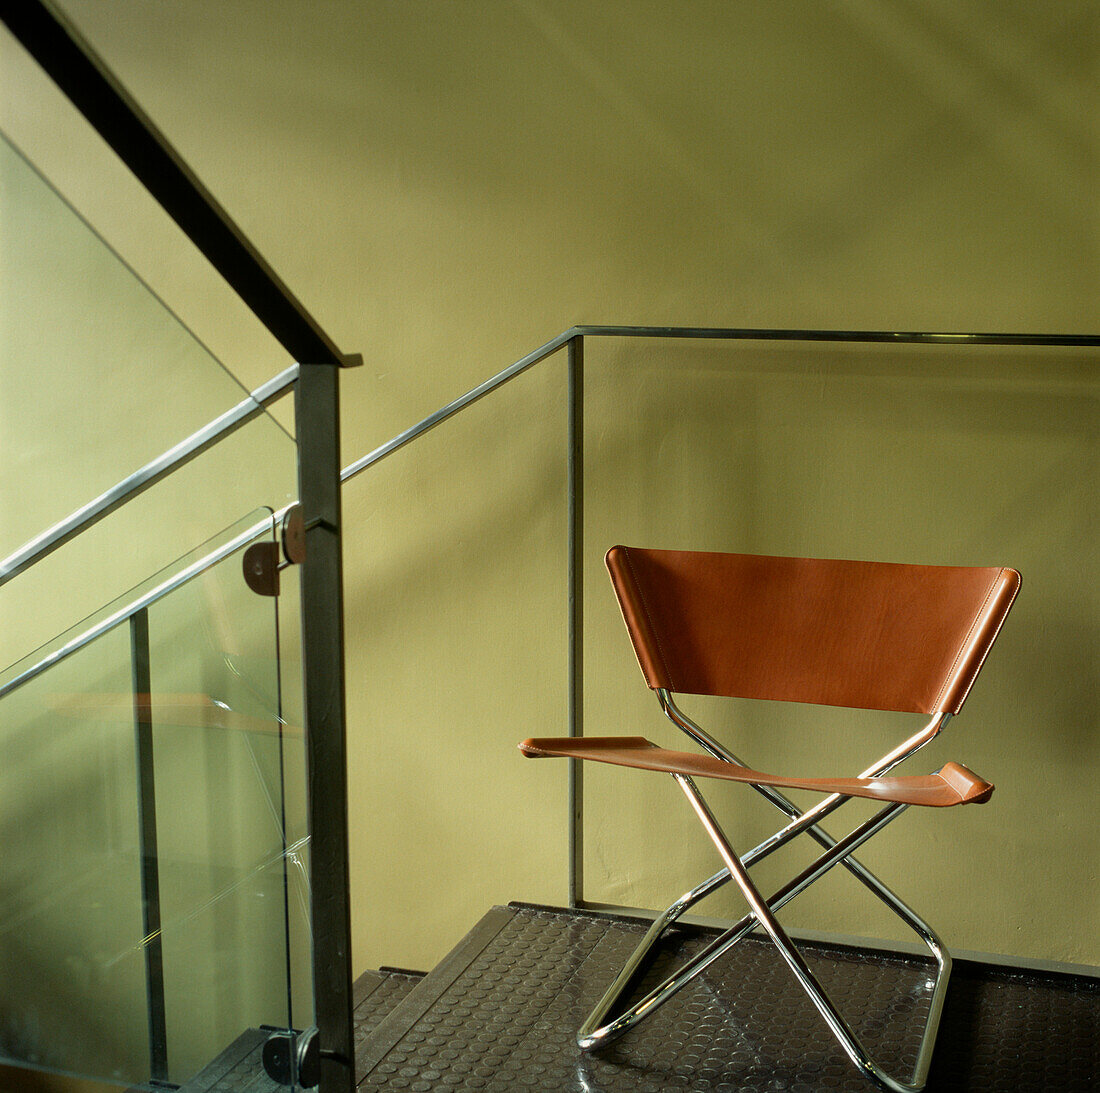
700	333
900	337
145	599
266	394
138	482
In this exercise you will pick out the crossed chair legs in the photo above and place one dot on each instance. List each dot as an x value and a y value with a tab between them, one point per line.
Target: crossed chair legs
594	1034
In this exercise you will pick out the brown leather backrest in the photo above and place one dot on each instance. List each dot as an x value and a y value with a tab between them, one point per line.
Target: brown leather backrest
874	635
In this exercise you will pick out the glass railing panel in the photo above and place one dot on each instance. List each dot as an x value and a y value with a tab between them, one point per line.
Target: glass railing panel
226	884
158	875
948	454
72	970
91	360
97	378
159	584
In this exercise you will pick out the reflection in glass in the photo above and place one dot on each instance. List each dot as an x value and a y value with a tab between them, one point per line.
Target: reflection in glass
92	361
153	801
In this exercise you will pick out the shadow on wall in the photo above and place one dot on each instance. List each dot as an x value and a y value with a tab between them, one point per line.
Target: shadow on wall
939	455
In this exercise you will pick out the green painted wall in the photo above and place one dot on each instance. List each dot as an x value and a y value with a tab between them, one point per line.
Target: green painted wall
449	185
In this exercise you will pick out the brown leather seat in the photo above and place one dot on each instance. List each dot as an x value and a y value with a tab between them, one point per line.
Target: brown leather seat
872	635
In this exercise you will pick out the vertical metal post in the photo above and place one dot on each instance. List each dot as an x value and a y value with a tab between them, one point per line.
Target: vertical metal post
147	844
282	807
318	424
576	615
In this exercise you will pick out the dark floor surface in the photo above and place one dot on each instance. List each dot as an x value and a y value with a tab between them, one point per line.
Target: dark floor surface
499	1014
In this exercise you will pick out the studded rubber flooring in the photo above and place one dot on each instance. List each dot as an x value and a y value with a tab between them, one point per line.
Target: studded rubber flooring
238	1069
500	1012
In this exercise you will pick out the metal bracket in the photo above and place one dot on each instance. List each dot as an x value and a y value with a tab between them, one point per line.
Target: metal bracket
262	560
321	522
261	568
294	536
293	1058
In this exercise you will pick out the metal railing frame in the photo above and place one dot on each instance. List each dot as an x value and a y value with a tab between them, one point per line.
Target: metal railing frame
74	67
573	341
86	81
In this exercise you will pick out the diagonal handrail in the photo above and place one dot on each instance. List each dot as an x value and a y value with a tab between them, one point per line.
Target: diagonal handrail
154	471
460	403
73	65
146	598
52	538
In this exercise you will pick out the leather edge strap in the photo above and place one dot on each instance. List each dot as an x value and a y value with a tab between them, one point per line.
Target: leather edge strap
632	605
954	784
576	747
979	641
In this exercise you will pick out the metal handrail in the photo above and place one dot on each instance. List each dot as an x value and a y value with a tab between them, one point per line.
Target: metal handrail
94	91
146	599
452	408
899	337
138	482
73	65
701	333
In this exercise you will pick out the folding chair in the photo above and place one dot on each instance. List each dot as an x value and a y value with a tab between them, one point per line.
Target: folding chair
868	635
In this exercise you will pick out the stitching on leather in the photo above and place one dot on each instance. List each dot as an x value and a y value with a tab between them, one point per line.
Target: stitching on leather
649	620
966	642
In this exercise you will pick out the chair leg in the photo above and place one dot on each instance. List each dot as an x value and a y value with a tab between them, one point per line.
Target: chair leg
593	1035
904	751
856	868
763	913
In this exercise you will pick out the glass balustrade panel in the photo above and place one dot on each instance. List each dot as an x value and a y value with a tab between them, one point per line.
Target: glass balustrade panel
154	898
99	377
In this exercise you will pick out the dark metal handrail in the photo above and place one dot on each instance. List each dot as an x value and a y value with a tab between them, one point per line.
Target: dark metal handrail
72	64
154	471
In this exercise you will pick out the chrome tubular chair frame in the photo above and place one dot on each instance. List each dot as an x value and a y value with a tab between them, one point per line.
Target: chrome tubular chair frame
861	635
593	1034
